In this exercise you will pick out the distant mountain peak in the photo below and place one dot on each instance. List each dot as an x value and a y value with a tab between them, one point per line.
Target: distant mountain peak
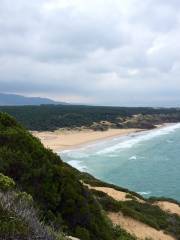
19	100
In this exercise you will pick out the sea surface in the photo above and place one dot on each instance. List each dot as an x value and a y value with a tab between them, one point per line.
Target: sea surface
146	162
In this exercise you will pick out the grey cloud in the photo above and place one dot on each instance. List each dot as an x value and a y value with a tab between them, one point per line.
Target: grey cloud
108	55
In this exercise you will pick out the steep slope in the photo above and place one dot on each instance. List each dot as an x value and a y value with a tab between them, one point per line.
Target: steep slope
55	187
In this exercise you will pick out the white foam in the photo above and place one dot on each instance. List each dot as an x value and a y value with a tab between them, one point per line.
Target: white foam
74	153
140	137
144	193
133	158
78	165
63	152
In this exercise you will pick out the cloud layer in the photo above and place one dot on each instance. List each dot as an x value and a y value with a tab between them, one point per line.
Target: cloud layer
108	52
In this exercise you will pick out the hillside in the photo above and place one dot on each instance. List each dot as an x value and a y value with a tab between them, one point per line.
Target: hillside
61	198
18	100
66	200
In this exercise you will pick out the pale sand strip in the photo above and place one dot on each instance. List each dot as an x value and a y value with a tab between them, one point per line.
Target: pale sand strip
139	229
168	207
117	195
60	140
121	196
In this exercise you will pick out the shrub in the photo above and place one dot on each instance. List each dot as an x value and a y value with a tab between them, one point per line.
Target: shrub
6	183
82	233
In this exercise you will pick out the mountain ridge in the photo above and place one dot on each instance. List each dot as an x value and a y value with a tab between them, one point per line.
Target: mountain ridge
7	99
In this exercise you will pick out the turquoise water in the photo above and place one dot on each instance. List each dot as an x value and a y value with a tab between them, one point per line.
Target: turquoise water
146	162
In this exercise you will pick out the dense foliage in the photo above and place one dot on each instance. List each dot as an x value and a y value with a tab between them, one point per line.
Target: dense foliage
52	117
55	187
18	218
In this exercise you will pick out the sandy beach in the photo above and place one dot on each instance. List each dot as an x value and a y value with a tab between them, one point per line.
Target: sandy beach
67	139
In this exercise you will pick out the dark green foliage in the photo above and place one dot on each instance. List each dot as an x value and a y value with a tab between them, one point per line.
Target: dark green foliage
123	235
149	214
54	185
51	117
82	233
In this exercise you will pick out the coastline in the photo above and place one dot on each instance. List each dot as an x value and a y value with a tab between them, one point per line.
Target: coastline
63	139
60	140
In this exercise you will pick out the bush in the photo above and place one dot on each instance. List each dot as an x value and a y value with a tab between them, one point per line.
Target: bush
82	233
6	183
121	234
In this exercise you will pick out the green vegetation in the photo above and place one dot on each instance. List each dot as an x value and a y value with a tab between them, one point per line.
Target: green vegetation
52	117
10	225
18	218
6	183
41	197
121	234
55	187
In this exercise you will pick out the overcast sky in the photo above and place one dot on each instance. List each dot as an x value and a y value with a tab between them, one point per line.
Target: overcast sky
111	52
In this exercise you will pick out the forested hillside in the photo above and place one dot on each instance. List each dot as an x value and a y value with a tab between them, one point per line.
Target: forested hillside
61	198
50	117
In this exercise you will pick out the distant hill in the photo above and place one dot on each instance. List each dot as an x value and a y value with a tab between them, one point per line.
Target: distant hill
53	117
18	100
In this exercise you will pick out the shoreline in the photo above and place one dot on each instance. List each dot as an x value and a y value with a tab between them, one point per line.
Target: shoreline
61	140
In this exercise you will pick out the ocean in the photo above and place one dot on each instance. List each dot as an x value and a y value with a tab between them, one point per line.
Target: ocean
146	162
